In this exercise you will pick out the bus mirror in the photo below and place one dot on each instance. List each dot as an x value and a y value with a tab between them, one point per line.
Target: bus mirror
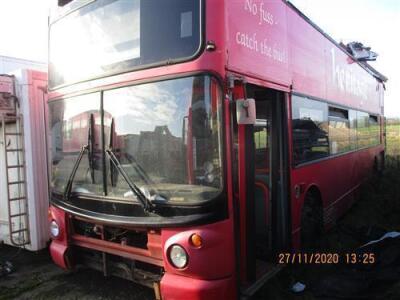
246	111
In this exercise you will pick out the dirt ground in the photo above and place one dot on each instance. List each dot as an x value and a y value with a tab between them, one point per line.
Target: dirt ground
36	277
376	212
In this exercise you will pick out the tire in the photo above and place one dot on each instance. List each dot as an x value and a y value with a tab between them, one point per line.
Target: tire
311	223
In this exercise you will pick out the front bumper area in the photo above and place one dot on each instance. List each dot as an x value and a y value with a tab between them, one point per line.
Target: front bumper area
59	254
141	255
176	287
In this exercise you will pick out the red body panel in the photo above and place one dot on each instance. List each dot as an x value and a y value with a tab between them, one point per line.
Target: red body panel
59	246
336	178
291	52
215	259
174	287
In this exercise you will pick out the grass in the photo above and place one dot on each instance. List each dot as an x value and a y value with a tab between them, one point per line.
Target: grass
393	139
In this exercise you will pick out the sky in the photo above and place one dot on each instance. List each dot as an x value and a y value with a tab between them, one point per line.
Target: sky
375	23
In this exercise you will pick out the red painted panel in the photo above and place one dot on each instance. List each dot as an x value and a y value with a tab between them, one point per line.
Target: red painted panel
298	55
336	178
348	83
306	56
175	287
58	253
257	39
59	246
215	259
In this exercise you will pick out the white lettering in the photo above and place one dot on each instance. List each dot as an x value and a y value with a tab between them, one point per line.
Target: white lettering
265	16
251	7
247	41
347	81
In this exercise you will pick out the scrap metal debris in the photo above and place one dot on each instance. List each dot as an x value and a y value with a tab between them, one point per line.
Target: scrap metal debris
298	287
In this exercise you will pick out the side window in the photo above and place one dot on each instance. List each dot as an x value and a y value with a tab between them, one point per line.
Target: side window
374	131
362	130
310	129
353	129
339	131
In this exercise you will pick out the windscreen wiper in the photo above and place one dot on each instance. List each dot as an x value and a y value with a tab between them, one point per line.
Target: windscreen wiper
143	200
89	148
140	171
68	187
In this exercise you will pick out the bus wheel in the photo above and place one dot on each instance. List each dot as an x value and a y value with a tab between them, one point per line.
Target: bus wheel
311	222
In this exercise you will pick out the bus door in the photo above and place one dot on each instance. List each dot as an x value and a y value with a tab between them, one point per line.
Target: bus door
262	183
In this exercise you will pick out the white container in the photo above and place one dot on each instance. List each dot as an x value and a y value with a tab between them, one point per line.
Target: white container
30	90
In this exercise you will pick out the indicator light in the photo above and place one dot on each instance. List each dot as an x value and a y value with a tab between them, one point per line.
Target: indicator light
196	240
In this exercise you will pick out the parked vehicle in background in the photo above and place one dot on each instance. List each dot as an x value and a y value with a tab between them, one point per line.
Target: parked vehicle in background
227	132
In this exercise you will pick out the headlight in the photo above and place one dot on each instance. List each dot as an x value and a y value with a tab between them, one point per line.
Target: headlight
178	256
54	229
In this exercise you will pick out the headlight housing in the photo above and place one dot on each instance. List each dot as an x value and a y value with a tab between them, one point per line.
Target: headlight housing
178	256
54	229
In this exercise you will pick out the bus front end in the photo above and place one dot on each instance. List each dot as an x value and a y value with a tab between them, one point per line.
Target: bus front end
138	184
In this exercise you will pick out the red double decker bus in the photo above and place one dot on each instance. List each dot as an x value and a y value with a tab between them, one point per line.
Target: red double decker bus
193	140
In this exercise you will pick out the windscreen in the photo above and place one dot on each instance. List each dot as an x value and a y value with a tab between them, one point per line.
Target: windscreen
164	135
111	36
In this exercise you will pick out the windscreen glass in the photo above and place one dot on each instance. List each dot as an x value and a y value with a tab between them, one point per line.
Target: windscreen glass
75	123
165	138
111	36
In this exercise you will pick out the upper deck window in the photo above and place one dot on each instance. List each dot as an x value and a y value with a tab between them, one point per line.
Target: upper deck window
107	37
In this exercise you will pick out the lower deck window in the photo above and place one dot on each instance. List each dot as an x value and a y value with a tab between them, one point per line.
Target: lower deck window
310	129
320	130
339	131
